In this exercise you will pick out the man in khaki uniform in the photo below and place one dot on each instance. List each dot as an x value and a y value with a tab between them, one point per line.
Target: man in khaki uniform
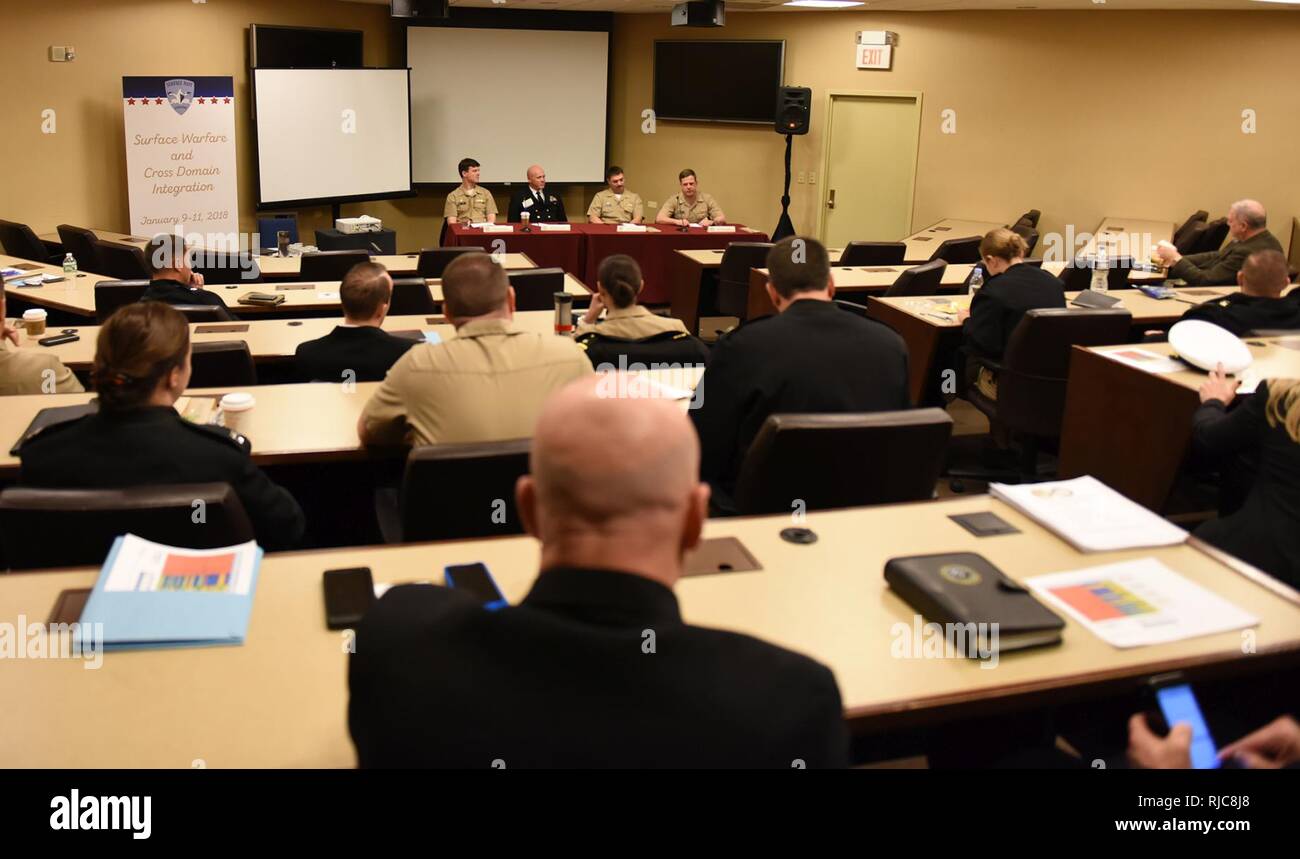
487	383
468	203
25	371
690	206
614	205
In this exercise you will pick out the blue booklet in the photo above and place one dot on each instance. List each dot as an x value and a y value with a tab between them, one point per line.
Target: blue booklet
151	595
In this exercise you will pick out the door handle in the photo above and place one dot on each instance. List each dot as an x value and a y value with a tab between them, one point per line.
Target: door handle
830	204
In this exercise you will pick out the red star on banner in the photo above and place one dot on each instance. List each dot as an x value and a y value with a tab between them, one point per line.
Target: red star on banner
157	101
130	101
200	101
227	100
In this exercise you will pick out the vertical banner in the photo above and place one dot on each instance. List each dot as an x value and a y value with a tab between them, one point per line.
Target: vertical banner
180	156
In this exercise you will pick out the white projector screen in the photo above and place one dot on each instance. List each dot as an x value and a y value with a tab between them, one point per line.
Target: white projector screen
332	134
508	99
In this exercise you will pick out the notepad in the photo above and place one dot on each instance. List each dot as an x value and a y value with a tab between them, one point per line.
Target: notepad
495	228
1089	515
554	228
152	595
631	228
726	228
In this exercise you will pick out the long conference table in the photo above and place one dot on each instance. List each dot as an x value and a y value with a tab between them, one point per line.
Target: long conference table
581	248
280	699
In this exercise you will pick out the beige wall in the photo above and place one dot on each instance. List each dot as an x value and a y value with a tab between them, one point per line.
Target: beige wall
1055	110
1081	115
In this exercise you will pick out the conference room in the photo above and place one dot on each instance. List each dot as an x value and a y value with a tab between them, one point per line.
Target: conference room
396	377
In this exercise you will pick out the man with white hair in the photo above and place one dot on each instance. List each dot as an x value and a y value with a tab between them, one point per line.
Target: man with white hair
533	198
595	667
1248	231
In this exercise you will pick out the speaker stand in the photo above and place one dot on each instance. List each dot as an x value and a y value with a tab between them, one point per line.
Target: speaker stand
784	228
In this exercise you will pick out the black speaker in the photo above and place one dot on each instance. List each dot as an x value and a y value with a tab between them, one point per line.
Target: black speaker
793	110
699	13
419	8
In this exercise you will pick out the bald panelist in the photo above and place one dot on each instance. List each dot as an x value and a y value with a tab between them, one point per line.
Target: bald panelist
595	666
533	198
1248	231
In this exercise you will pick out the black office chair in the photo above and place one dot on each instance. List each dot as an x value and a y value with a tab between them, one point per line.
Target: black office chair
329	265
1183	235
963	251
434	261
411	297
1029	234
1032	376
1211	238
1030	218
843	460
222	364
535	288
733	276
668	347
125	262
18	240
220	268
80	242
1077	276
482	505
873	253
201	312
269	226
112	294
924	279
52	528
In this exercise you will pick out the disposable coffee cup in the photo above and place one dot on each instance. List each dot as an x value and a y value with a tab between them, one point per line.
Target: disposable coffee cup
34	321
234	406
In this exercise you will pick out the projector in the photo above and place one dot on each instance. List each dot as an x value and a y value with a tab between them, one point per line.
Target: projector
363	224
699	13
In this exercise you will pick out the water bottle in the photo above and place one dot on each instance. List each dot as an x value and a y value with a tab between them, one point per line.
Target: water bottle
69	266
976	279
1100	270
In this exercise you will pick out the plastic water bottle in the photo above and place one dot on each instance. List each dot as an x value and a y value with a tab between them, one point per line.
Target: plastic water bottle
976	279
1101	269
69	266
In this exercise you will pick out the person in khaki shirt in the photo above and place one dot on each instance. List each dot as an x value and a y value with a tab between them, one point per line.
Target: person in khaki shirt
24	371
614	205
618	282
487	383
468	203
690	205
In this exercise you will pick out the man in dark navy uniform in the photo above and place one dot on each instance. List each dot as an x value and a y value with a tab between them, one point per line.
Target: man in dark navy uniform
360	345
172	279
1260	305
533	198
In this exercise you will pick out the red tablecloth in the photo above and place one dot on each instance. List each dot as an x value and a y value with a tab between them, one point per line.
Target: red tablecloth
580	250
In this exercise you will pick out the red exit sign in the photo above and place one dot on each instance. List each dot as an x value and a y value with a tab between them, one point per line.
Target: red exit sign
875	56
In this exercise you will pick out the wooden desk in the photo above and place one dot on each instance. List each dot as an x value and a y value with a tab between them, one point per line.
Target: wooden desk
1141	454
856	280
276	340
1133	237
280	700
52	237
401	265
932	334
76	296
922	244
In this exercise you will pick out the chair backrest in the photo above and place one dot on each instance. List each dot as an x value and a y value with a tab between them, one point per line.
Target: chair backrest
221	267
482	476
668	347
1031	218
843	460
924	279
1029	234
47	528
1200	216
433	261
963	251
873	253
112	294
80	242
19	240
329	265
1211	238
1077	276
201	312
733	276
411	297
125	262
1035	366
269	225
222	363
535	288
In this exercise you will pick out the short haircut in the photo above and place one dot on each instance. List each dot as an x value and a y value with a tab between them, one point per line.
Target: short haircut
687	172
365	287
474	285
1266	272
165	251
465	164
611	171
1251	213
798	264
621	277
1003	244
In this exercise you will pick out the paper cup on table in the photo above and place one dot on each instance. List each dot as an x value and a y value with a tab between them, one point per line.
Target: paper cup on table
34	321
234	407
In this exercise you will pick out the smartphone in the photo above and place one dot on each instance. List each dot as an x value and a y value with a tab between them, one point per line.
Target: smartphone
1178	704
475	580
348	596
57	339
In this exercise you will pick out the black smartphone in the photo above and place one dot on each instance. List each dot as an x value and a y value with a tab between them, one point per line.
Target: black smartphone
59	338
348	596
475	580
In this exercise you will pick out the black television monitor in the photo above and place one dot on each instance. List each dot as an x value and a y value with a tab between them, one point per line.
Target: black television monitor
274	47
718	80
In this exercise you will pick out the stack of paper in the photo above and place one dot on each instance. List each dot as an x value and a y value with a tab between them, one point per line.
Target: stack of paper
554	228
1089	515
632	228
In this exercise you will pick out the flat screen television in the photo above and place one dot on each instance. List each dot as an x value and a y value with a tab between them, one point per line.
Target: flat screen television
274	47
718	80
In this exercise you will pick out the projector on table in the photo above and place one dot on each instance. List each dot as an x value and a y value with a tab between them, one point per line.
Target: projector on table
363	224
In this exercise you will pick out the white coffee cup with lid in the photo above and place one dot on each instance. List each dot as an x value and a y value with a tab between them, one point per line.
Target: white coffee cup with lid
34	321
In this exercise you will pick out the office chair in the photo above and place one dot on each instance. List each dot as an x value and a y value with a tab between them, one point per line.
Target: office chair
873	253
434	261
924	279
222	364
124	262
535	288
329	265
18	240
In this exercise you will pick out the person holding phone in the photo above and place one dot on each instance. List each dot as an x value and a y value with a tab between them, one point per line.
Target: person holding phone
24	371
173	280
1273	746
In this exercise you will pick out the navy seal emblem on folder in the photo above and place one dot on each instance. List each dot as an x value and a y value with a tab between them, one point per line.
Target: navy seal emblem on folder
180	94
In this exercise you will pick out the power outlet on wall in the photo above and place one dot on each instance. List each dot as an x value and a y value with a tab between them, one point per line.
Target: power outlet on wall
62	53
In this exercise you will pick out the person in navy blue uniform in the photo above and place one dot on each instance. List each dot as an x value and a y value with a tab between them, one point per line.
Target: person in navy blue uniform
359	350
540	204
1260	305
173	280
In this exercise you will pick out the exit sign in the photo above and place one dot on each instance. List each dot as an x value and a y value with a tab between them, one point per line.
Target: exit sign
875	56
